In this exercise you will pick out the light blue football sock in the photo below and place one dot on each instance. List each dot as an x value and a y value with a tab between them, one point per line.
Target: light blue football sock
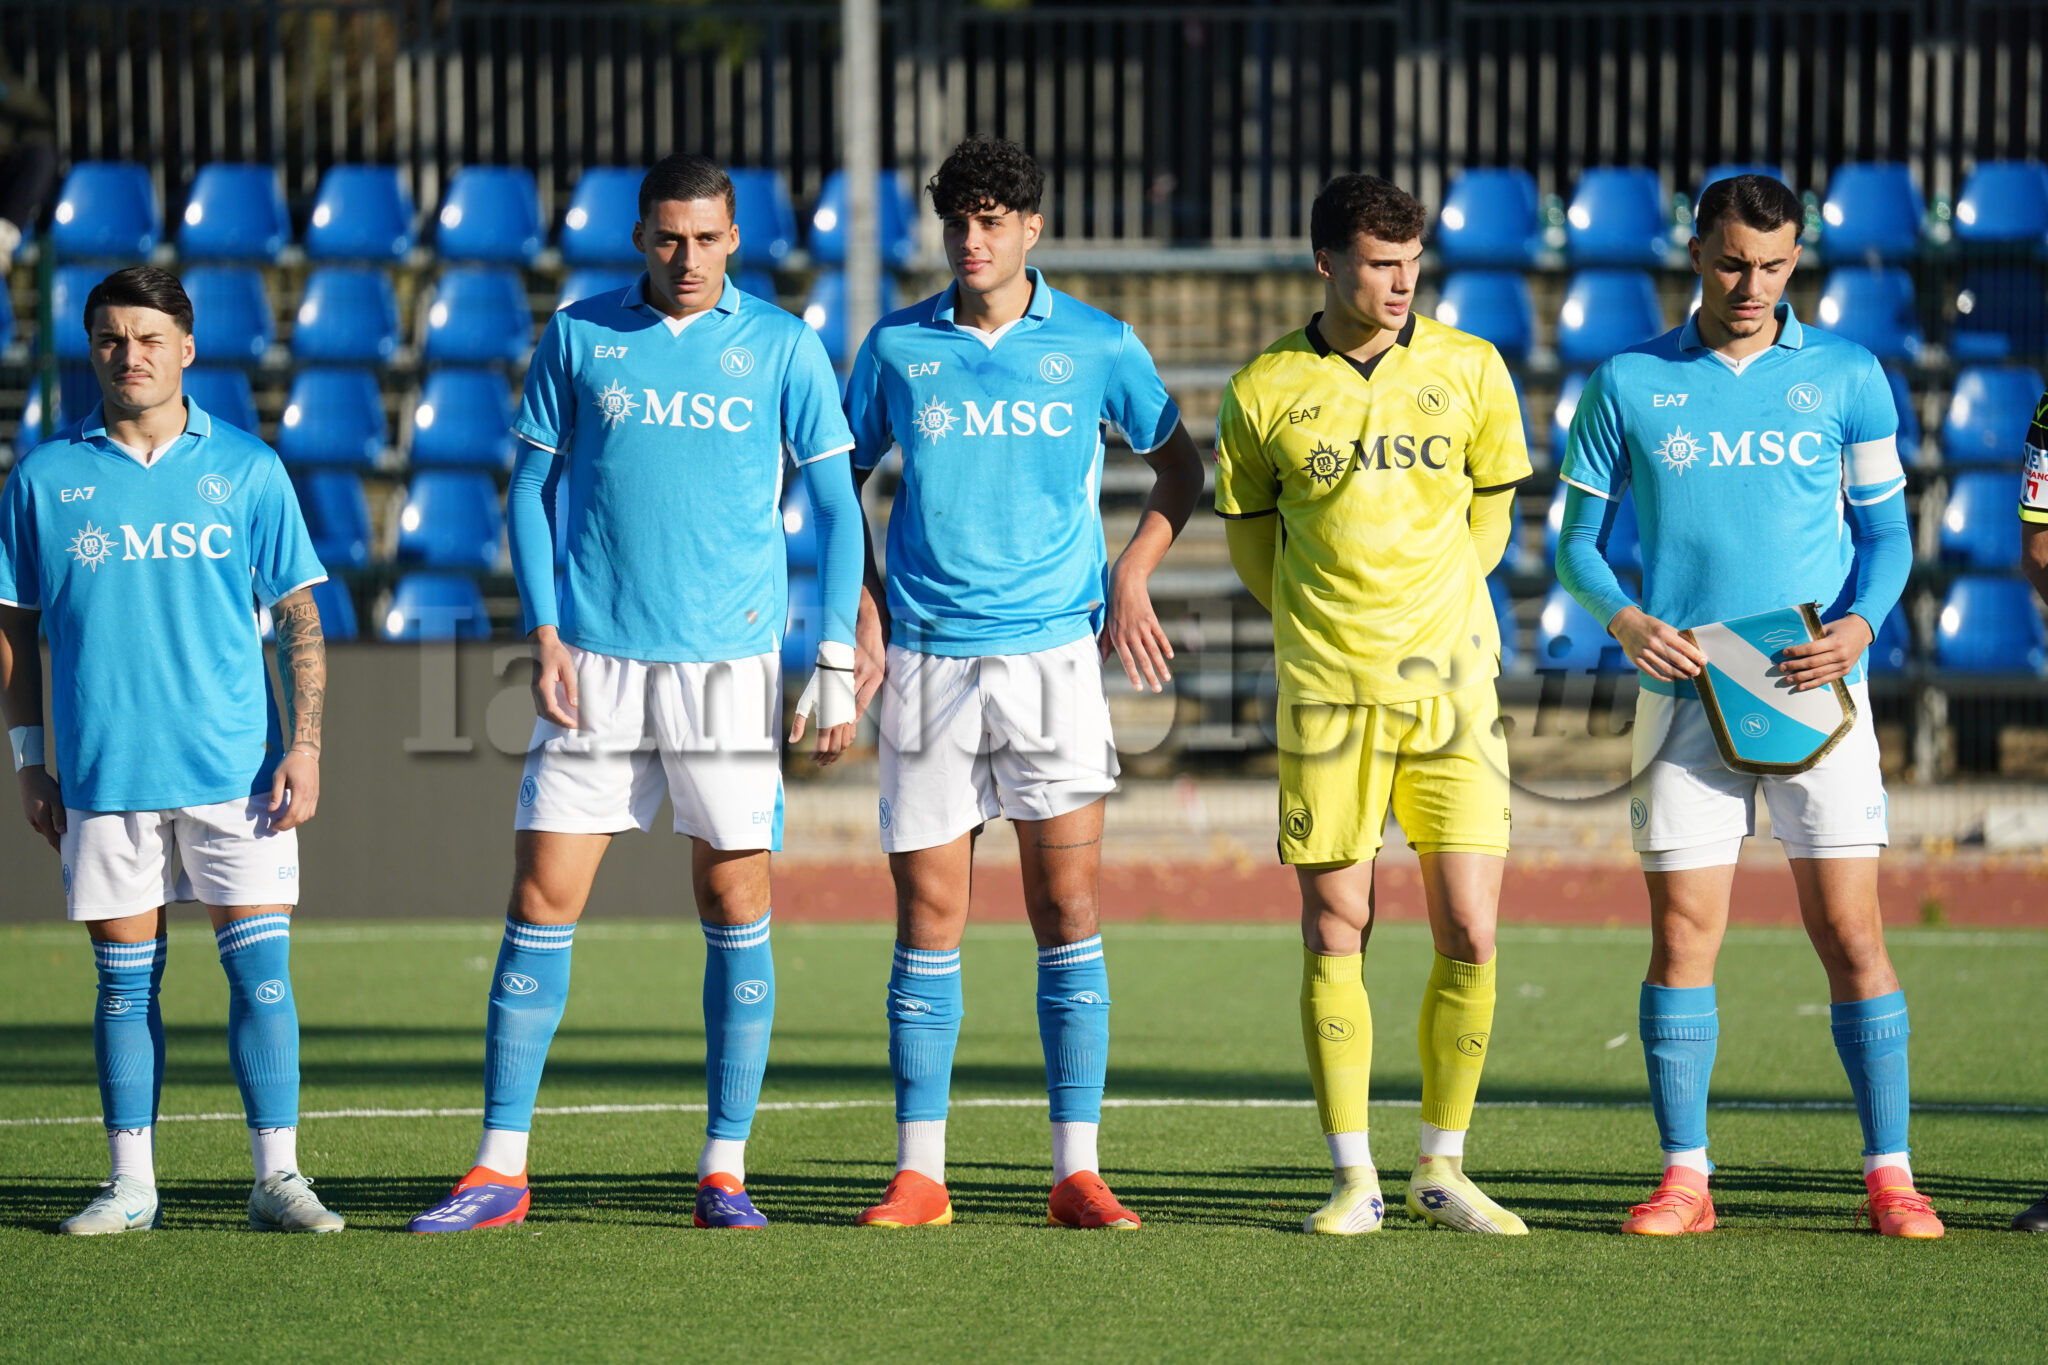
1870	1036
1681	1029
128	1031
263	1019
1073	1028
925	1009
739	1014
528	993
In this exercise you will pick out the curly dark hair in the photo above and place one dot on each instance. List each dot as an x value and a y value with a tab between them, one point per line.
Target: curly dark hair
1351	204
987	172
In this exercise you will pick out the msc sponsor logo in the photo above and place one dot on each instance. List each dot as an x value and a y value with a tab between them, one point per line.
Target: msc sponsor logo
934	420
705	411
1472	1044
1325	463
1755	726
1803	397
615	404
1335	1029
1025	418
1433	399
92	547
1055	367
1679	451
270	992
215	489
518	983
737	362
1298	823
750	992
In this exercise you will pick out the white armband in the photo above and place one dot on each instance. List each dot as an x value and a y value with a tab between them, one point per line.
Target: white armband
27	743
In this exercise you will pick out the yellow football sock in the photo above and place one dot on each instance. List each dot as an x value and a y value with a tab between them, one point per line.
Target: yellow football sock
1336	1026
1457	1016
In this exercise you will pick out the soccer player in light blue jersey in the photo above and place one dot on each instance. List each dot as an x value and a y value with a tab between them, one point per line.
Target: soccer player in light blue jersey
1003	607
141	539
654	429
1766	474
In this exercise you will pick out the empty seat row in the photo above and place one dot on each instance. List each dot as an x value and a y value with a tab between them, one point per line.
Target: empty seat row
109	210
1621	215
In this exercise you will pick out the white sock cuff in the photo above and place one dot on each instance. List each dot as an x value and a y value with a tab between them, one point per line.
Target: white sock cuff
723	1156
520	934
921	1147
1692	1158
1903	1160
731	936
1071	954
1350	1149
1442	1141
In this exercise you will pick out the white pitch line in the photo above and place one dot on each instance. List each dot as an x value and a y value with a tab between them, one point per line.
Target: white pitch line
813	1106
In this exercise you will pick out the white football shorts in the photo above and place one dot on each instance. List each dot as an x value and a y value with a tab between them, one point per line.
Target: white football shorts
122	863
1023	736
706	734
1689	809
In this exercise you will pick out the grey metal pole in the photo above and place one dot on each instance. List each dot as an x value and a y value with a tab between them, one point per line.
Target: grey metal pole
860	29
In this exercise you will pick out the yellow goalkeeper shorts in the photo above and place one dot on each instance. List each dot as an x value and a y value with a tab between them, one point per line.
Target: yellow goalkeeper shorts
1441	762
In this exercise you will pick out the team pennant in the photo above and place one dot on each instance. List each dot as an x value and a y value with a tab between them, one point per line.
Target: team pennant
1760	724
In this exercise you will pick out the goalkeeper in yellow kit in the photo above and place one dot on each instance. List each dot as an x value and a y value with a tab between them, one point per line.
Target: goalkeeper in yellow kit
1367	466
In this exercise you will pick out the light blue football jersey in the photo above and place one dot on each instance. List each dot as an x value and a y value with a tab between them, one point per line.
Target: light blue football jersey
663	456
148	580
1741	479
995	539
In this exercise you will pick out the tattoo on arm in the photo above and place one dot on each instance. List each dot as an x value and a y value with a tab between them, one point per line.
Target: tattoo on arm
302	659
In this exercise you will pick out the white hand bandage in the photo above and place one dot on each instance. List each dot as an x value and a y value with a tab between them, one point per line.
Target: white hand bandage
27	743
828	698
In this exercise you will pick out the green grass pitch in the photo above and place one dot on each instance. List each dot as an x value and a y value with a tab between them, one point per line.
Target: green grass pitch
608	1266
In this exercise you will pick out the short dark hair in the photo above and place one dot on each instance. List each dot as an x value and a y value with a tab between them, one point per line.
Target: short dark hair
987	172
1762	202
1351	204
686	176
141	286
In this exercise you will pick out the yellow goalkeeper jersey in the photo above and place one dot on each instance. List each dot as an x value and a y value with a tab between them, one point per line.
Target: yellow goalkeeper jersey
1371	467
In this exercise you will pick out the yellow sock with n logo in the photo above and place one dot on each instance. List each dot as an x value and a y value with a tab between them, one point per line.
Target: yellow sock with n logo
1457	1018
1336	1026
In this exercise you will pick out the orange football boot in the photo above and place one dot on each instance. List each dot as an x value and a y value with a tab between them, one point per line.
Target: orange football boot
1896	1209
913	1200
1083	1201
1681	1204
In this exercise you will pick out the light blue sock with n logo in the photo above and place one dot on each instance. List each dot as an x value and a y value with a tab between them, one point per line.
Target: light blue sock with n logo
925	1008
1073	1028
739	1015
128	1031
528	993
1870	1038
263	1019
1681	1031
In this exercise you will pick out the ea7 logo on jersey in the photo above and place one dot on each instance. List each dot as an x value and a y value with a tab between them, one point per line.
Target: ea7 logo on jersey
74	494
921	369
1668	400
609	352
1300	415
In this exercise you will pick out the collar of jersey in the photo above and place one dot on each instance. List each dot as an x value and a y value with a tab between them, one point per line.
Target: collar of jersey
1791	335
1314	332
1039	310
197	423
634	296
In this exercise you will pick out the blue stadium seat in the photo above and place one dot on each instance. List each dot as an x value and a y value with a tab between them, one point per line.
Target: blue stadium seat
223	391
332	416
1988	415
478	315
1618	216
598	228
490	213
1494	304
435	606
69	289
759	283
6	315
106	209
1490	219
349	315
1999	314
453	518
1606	311
1990	625
2004	203
463	417
1504	618
825	311
799	533
231	321
77	391
235	213
1568	638
1624	540
1873	213
1909	415
337	610
766	218
1568	390
895	213
581	284
805	624
337	516
1978	529
1892	650
1873	307
1728	171
361	213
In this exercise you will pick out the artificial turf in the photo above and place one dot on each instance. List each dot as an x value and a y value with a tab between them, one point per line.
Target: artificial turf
608	1265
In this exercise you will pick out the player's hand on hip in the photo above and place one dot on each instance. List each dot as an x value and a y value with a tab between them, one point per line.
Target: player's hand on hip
1820	662
554	679
830	697
1655	647
1132	629
870	655
295	788
42	802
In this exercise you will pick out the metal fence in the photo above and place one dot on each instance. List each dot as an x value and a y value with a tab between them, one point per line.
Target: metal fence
1194	123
